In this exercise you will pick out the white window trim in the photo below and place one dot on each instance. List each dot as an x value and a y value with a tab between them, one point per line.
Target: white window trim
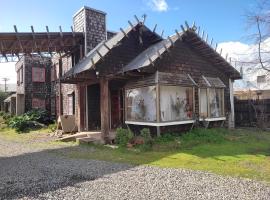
213	119
160	123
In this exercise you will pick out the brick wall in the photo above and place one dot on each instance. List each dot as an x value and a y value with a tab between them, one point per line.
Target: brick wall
36	90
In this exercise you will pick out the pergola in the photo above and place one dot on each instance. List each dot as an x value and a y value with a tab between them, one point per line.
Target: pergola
13	45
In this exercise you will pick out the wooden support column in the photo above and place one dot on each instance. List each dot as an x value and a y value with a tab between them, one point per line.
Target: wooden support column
231	115
158	107
60	88
81	107
104	109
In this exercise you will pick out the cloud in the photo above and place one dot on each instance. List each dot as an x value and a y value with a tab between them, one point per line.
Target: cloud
246	56
158	5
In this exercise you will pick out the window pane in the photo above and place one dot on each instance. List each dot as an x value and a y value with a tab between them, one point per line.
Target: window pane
216	102
176	103
141	104
203	102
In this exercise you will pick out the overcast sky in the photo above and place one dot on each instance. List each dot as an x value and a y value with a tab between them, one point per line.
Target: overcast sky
224	20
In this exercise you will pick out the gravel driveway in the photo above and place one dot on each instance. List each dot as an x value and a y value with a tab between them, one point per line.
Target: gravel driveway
27	173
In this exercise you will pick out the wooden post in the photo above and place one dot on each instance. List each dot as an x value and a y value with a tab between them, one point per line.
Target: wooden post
158	104
231	116
60	88
81	107
104	109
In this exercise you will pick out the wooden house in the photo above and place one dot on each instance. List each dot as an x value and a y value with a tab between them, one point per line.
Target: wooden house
132	78
139	79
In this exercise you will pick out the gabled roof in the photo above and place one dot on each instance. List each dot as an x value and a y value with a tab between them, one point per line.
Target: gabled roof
103	48
150	55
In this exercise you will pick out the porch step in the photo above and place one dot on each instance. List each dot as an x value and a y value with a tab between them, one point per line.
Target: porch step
73	137
86	137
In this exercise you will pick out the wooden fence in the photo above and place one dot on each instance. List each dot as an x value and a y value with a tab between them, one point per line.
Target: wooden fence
252	113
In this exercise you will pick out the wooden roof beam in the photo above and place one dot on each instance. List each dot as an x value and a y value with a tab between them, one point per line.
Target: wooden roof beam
34	37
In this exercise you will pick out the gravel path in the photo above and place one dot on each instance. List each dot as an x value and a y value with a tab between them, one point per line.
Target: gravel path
40	174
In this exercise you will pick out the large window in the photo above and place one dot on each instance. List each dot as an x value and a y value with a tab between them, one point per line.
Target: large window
211	102
216	102
38	74
141	104
176	103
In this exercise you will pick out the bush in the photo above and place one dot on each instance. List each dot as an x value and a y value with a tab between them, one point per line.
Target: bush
148	140
52	127
2	113
200	136
7	117
23	123
123	136
166	137
39	115
32	119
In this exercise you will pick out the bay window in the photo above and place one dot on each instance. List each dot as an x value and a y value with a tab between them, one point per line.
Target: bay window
168	99
176	103
141	104
211	99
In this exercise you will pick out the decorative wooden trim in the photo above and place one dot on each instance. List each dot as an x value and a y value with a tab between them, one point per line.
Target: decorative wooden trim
160	123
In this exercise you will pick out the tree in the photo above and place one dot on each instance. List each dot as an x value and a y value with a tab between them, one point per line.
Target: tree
259	18
3	96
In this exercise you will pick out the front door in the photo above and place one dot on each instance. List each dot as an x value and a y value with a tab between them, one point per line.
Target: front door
93	106
116	108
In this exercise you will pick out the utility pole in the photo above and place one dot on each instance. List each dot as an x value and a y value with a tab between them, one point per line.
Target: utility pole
5	80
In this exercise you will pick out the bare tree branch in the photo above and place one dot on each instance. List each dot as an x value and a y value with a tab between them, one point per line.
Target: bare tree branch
263	65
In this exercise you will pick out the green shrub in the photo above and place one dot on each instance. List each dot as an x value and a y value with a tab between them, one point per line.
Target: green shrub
2	113
32	119
39	115
7	117
148	140
123	136
201	136
23	123
166	137
52	127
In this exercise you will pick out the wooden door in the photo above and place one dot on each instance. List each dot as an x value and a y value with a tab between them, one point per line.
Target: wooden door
116	108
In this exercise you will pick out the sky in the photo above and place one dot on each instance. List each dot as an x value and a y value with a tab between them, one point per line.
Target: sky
224	20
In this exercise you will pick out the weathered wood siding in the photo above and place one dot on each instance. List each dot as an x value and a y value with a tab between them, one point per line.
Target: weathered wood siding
183	59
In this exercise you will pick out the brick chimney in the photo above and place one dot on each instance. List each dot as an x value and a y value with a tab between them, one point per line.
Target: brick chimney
93	23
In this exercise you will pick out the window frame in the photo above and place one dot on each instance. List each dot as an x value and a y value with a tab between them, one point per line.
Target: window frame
209	118
42	79
158	122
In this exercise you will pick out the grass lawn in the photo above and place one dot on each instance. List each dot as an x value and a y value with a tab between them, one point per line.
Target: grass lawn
240	152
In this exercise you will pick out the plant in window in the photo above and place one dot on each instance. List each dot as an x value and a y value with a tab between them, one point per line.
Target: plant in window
141	109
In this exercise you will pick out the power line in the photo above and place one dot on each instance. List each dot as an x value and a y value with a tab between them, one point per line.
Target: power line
5	80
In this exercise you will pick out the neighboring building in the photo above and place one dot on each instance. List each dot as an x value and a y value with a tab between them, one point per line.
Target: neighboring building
134	78
10	104
254	85
33	84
